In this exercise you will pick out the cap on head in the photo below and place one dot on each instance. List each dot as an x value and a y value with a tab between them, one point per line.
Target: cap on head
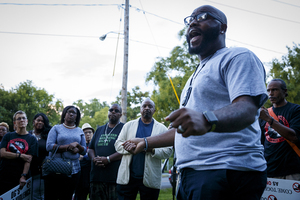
87	125
214	12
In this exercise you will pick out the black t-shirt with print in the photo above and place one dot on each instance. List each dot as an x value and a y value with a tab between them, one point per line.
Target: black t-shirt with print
104	145
11	169
281	158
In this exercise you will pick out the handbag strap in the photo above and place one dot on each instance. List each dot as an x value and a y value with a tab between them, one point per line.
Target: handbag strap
56	148
295	148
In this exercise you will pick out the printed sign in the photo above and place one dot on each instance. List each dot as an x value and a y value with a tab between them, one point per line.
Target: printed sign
17	194
281	189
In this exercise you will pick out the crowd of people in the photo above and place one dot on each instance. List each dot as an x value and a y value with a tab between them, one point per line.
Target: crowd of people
226	142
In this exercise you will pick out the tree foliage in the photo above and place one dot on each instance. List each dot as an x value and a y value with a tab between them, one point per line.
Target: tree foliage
134	100
31	100
179	66
288	69
94	112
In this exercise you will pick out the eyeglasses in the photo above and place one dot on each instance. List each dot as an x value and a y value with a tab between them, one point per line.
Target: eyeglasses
21	118
116	110
200	17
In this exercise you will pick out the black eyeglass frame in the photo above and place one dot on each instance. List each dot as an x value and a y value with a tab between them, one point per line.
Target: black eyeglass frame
188	20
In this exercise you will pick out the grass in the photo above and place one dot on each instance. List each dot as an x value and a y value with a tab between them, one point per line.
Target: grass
165	194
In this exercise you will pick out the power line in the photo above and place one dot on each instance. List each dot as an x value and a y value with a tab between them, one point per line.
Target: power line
56	4
255	46
254	12
150	30
47	34
119	5
81	36
137	9
287	3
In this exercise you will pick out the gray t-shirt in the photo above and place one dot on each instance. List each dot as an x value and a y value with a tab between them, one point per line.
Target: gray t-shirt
228	74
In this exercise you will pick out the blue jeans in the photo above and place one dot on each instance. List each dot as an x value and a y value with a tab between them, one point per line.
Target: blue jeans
37	188
221	184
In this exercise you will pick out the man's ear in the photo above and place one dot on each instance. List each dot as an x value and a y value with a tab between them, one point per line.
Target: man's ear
223	28
286	93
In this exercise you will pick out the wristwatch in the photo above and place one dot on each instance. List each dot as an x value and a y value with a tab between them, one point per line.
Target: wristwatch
211	118
24	175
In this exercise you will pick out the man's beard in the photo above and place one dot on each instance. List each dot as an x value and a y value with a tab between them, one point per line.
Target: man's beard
147	115
207	37
113	120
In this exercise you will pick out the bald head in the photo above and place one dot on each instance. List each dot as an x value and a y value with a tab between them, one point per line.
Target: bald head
214	12
147	110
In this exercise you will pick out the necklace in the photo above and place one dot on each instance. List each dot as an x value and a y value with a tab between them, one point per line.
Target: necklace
69	127
189	90
38	137
106	135
196	74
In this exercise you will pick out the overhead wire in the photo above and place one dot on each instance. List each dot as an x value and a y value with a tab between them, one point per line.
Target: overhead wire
150	29
256	46
56	4
82	36
138	9
274	17
287	3
116	53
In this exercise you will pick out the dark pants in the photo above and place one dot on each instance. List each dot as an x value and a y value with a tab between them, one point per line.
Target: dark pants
60	187
6	186
129	191
221	184
83	187
103	191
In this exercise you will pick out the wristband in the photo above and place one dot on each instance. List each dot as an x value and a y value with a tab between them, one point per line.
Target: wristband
108	160
146	141
24	175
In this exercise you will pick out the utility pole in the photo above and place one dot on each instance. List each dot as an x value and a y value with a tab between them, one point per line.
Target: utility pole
125	64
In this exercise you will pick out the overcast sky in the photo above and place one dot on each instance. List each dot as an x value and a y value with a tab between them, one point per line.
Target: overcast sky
56	43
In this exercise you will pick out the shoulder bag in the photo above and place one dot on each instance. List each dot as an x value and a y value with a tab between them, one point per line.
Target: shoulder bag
53	165
295	148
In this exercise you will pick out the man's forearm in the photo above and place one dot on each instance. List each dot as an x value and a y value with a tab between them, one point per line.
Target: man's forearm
165	139
236	116
91	154
115	156
285	132
26	167
9	155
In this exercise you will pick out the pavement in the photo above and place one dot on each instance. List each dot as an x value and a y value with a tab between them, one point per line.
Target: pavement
165	183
